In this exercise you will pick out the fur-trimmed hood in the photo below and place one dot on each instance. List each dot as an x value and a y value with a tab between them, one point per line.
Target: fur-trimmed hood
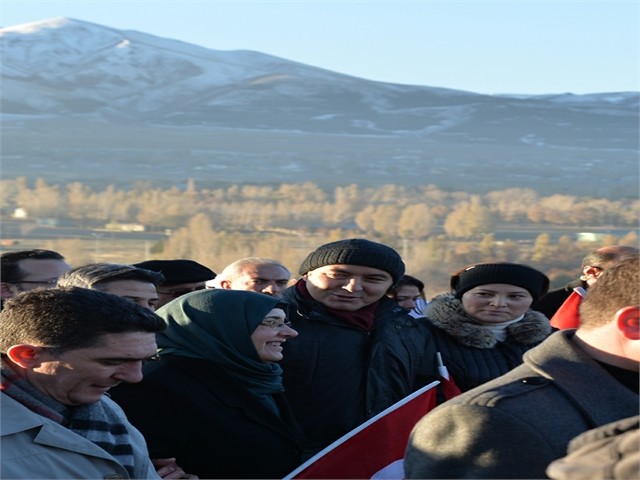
446	312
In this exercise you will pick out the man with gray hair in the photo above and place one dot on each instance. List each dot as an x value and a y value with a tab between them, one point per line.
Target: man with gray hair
257	274
136	284
592	265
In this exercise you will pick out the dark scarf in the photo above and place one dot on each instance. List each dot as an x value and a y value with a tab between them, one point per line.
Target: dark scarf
216	325
97	422
362	319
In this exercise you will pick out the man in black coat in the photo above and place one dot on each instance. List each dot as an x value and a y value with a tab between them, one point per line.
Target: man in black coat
358	352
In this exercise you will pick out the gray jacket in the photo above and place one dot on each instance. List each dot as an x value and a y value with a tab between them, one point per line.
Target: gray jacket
34	447
515	425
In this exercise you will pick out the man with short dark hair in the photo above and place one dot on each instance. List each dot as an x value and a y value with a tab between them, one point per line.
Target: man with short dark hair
62	350
574	381
358	351
28	269
136	284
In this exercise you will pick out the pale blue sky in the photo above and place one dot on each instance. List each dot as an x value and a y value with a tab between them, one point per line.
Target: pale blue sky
509	46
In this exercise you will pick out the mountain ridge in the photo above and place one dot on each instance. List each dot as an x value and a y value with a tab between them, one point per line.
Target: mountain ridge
61	75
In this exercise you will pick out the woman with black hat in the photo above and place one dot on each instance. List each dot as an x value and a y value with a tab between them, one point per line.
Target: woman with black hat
484	326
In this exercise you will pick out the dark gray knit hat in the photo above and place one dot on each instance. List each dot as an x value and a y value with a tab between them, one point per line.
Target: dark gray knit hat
355	251
532	280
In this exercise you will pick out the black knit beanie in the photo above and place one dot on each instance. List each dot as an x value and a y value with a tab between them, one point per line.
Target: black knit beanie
534	281
355	251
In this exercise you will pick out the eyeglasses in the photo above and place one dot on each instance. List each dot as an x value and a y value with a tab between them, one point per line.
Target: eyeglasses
274	324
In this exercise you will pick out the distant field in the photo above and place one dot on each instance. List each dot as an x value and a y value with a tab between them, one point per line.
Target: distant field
101	154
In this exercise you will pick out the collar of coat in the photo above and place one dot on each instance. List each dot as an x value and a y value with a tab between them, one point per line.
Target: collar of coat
446	313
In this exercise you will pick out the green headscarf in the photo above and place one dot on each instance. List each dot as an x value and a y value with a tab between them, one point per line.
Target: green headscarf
216	325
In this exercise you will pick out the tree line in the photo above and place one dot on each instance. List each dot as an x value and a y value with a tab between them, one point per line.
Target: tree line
405	212
437	231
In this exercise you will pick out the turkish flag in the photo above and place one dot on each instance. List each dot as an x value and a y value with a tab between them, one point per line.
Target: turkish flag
373	445
448	386
568	315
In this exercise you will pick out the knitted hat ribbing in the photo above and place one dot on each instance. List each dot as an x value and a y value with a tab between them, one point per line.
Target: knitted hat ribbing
534	281
355	251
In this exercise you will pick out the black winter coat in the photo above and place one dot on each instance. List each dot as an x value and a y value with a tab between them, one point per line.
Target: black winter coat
191	409
471	353
337	376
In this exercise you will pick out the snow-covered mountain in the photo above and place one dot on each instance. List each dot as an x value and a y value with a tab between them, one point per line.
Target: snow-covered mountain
68	67
69	79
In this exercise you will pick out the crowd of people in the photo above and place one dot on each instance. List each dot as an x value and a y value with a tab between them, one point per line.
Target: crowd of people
165	369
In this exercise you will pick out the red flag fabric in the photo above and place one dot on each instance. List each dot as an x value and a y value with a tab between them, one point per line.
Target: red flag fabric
448	386
568	315
374	444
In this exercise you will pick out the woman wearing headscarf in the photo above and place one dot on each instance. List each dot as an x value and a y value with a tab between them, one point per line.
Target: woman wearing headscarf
213	398
483	327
